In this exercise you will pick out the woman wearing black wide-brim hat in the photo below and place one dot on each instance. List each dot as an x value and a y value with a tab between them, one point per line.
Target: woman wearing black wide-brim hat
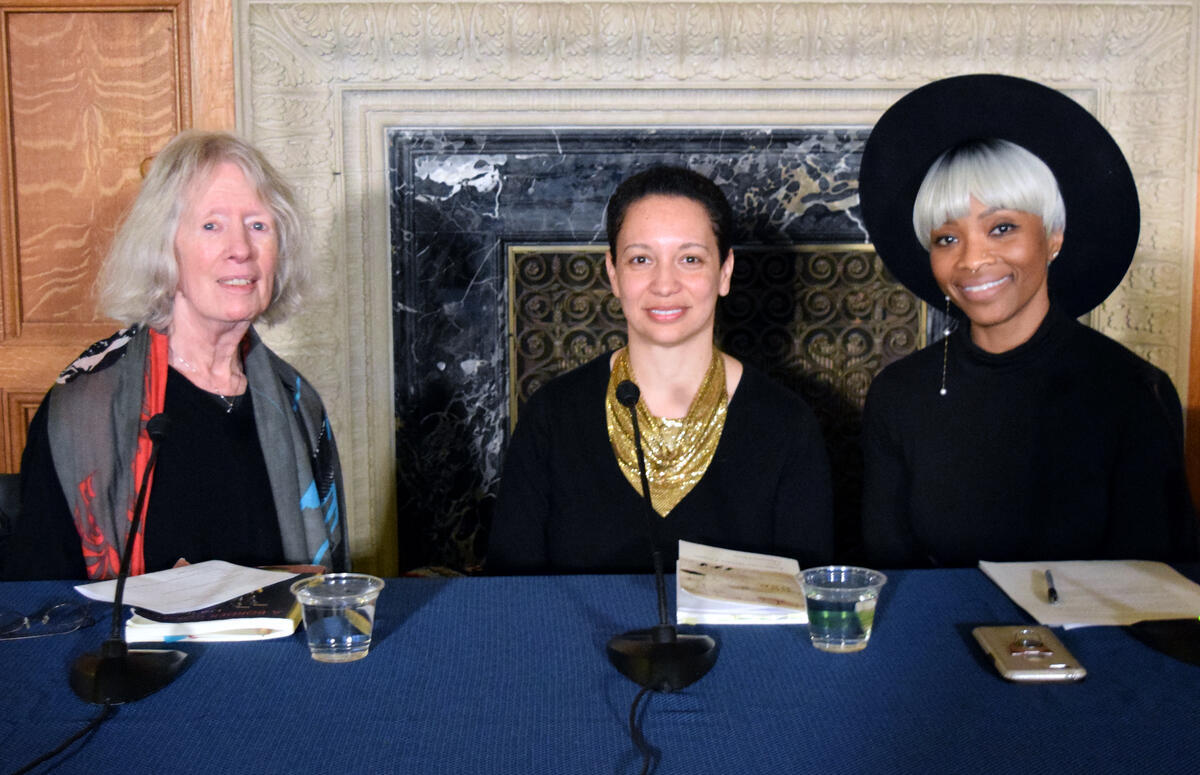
1024	435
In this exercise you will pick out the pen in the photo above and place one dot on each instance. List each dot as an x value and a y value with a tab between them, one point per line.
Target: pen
1051	591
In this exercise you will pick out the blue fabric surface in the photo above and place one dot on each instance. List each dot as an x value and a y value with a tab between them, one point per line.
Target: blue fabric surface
509	675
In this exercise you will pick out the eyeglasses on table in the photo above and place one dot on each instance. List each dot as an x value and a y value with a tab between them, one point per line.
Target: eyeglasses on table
54	619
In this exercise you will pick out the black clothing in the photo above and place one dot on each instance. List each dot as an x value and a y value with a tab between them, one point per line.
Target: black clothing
210	498
564	505
1066	447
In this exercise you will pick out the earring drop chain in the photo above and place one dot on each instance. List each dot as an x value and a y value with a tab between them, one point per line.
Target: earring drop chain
945	347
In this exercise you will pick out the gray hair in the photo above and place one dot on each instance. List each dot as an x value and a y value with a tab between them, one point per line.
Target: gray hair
997	173
140	274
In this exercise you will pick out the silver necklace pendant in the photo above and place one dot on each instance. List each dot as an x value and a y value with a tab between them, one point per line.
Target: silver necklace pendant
229	403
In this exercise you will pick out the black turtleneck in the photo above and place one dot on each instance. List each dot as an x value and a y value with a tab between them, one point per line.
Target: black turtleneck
1066	447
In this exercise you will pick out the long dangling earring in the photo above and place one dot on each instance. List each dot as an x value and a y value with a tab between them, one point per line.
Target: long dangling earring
945	347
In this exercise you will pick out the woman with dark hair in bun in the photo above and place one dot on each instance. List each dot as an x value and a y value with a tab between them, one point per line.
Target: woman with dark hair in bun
733	459
1022	435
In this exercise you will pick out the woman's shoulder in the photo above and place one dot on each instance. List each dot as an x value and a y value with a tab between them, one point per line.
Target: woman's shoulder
910	374
1110	360
578	386
100	355
287	374
760	395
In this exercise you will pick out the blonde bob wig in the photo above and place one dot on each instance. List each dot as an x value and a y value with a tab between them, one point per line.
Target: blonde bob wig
998	173
138	279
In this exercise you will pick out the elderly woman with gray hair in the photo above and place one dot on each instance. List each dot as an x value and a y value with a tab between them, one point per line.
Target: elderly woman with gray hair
249	472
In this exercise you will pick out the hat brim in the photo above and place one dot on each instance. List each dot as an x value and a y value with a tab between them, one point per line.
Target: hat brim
1103	218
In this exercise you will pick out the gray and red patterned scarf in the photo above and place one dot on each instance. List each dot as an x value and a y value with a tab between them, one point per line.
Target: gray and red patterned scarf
97	423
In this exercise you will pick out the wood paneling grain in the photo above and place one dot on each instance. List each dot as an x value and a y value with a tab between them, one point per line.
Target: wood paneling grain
88	90
19	408
213	96
115	76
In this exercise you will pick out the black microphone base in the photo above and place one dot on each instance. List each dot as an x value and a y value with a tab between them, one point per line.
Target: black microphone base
658	658
119	678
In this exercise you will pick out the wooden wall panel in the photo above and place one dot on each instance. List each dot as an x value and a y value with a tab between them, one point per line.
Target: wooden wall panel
88	91
19	409
113	78
213	95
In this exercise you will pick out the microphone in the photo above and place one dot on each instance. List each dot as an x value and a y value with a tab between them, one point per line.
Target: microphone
116	674
657	658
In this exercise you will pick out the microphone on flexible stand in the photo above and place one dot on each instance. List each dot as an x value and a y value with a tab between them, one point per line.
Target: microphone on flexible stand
657	658
116	674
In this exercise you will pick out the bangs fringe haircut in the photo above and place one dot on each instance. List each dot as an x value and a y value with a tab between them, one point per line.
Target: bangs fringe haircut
996	172
137	281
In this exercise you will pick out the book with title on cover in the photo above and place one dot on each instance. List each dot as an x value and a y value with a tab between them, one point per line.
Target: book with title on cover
269	612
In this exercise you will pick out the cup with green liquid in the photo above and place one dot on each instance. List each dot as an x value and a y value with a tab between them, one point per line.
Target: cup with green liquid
841	605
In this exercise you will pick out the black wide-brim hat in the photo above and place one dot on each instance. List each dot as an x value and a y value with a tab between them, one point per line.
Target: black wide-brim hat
1097	185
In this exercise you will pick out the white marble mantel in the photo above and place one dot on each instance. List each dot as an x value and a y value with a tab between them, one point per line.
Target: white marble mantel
319	81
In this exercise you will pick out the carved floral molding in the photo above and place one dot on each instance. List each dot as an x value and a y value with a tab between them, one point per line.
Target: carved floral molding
318	81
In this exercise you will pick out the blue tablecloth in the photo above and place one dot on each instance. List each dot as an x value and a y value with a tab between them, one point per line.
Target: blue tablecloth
509	675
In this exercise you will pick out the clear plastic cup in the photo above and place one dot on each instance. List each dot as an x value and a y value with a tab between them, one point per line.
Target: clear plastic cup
841	605
339	614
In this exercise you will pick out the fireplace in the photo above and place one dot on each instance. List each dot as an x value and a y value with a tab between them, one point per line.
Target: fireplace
323	85
498	285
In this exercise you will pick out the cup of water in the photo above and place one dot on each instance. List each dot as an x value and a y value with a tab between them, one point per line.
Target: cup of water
339	614
841	605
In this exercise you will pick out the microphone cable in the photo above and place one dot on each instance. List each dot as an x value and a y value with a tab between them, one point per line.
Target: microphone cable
627	395
635	734
92	725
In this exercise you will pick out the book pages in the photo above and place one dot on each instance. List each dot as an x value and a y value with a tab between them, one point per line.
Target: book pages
721	586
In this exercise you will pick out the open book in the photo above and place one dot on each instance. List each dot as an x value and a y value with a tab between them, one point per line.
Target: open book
721	586
269	612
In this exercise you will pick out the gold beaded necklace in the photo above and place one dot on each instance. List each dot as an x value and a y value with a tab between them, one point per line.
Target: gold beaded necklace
678	451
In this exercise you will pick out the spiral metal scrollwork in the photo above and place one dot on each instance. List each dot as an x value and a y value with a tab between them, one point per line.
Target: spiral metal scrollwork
563	313
817	314
823	320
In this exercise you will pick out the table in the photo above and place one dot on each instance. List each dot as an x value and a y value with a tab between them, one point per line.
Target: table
509	675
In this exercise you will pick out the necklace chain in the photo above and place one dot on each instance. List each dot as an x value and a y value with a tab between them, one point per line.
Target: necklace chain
230	403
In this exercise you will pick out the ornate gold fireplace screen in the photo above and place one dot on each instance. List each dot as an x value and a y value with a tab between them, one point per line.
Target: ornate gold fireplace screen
822	319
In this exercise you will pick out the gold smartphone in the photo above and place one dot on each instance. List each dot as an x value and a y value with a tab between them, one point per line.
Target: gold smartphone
1029	653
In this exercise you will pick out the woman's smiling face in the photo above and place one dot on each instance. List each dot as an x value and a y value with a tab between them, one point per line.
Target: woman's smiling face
226	250
993	264
668	271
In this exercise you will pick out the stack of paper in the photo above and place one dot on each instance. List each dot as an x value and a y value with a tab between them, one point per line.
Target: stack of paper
720	586
1113	592
208	601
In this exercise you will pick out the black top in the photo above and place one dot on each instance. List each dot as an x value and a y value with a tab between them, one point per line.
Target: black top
565	506
1066	447
211	496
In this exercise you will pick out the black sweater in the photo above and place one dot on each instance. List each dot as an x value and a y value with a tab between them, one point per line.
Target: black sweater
1066	447
565	507
211	497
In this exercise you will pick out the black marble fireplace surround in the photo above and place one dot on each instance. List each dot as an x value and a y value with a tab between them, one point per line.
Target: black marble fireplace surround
498	284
